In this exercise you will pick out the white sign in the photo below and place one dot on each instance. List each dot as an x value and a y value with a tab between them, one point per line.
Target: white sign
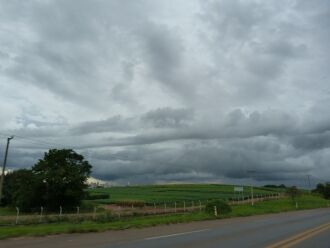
238	189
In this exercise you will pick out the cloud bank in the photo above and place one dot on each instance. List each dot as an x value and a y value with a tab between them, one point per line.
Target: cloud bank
170	91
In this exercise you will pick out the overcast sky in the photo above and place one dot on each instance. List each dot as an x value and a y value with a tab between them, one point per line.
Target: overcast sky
154	91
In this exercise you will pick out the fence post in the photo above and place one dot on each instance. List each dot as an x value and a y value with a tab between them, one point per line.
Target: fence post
174	207
94	213
60	215
17	215
154	205
296	204
78	211
200	206
132	206
215	211
41	211
164	207
184	206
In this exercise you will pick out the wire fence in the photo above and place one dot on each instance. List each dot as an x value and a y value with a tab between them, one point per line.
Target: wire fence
115	212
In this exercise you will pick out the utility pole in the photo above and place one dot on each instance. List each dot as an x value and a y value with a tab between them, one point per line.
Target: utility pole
309	183
252	201
4	166
251	172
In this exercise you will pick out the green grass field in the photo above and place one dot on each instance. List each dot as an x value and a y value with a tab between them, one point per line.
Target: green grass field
271	206
174	192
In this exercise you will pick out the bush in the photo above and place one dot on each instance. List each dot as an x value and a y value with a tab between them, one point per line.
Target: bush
222	207
97	196
323	189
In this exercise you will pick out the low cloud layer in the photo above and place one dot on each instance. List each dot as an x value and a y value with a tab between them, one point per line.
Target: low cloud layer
170	91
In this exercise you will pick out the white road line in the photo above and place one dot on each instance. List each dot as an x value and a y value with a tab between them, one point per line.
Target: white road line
176	234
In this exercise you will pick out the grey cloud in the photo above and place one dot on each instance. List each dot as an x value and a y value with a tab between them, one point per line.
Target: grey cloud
312	141
202	91
235	125
211	160
112	124
168	117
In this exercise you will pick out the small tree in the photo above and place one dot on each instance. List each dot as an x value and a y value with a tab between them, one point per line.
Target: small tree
62	176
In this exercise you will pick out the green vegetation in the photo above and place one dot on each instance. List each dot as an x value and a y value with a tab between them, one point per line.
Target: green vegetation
304	201
323	189
221	206
271	206
136	222
292	192
174	192
59	179
5	211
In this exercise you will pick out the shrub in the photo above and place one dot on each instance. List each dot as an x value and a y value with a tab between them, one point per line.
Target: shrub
222	207
98	196
323	189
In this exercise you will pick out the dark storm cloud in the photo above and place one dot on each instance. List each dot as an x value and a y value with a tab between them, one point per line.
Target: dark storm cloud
158	91
312	141
234	125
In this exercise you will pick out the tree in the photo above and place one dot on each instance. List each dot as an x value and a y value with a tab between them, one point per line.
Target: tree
323	189
62	176
59	179
20	190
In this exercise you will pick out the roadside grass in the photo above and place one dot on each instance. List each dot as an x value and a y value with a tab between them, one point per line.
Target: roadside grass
83	227
271	206
282	205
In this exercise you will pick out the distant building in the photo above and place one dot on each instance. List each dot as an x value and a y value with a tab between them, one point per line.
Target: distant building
96	183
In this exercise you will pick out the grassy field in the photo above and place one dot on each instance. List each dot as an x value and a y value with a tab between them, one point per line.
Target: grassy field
170	193
272	206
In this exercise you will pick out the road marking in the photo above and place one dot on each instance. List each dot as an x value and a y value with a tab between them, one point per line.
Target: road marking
176	234
296	239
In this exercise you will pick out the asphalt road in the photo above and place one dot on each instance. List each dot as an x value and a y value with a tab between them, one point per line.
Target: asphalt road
295	229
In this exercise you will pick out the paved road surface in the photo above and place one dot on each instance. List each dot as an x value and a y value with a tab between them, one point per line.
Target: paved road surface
295	229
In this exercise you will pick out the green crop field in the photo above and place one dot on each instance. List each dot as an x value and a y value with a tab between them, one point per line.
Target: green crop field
174	192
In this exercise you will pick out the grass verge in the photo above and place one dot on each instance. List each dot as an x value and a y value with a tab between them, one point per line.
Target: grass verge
273	206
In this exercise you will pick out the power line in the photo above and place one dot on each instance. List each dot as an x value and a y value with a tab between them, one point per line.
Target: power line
35	140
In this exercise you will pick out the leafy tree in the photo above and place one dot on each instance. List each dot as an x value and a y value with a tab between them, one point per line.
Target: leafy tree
62	176
319	188
323	189
20	190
